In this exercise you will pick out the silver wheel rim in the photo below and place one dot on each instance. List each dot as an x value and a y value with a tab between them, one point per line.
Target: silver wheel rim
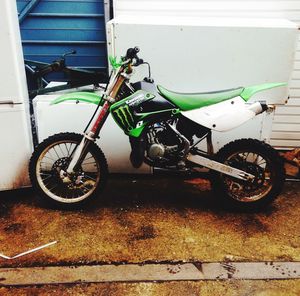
47	168
237	189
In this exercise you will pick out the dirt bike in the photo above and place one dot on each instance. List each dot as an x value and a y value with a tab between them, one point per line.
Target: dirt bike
164	129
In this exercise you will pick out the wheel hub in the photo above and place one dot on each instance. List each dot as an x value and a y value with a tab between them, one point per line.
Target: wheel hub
73	180
254	170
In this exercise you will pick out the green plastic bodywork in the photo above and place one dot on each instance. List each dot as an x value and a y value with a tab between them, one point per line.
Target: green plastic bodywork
128	121
114	63
192	101
248	92
88	97
134	124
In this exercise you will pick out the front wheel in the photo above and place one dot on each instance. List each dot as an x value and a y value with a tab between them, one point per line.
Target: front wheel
47	170
256	158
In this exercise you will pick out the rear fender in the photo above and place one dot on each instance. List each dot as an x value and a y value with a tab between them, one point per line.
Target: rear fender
226	115
87	97
248	92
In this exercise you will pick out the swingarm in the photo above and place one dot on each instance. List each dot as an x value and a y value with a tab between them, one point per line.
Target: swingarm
220	167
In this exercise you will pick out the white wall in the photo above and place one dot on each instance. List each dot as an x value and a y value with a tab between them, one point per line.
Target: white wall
286	125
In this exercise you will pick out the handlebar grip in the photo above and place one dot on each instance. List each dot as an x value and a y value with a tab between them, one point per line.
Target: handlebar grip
131	52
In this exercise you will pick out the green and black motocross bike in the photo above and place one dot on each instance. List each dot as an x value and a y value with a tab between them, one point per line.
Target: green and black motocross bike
164	130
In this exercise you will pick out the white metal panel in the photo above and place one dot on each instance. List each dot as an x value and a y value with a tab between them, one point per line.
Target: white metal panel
286	126
12	73
284	143
284	135
72	117
16	147
210	54
237	8
287	118
233	9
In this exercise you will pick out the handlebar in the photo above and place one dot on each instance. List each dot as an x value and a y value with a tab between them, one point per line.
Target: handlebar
131	54
57	65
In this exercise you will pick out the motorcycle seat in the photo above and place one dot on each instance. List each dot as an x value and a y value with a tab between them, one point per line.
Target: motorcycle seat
190	101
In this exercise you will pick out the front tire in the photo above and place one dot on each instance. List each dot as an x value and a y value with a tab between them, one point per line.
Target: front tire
258	159
47	170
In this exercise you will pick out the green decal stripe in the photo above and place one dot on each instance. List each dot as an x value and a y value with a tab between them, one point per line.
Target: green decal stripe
125	118
129	114
123	110
118	115
146	114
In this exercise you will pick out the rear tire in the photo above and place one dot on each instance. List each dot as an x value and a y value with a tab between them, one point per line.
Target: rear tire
50	160
257	158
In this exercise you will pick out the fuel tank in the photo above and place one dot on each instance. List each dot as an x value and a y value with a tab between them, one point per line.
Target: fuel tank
157	103
143	107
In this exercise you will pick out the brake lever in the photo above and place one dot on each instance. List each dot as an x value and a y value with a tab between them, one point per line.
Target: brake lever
138	62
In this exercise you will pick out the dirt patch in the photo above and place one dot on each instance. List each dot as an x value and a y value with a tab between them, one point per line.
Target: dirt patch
251	224
122	217
200	184
150	221
14	228
292	162
145	232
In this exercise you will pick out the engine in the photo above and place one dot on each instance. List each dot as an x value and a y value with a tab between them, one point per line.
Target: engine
163	143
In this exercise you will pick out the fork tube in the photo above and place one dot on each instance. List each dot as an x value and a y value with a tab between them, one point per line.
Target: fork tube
95	130
81	150
100	119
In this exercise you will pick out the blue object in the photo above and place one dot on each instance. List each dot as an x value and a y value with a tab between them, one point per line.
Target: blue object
50	28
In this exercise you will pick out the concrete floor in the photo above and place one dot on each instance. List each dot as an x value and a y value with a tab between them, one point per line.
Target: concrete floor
152	220
215	288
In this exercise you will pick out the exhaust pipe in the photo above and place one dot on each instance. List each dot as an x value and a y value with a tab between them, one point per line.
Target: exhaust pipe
259	107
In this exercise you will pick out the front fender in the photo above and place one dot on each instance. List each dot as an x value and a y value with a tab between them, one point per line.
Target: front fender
88	97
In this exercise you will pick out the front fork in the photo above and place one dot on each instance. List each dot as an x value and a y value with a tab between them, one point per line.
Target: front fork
81	150
110	94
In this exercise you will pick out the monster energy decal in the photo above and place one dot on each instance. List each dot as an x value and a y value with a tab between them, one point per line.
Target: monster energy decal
124	117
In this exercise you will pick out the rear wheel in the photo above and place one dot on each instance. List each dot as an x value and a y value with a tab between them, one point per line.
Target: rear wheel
48	174
256	158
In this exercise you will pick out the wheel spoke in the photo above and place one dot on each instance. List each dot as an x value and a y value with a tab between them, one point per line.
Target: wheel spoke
44	179
89	163
89	177
49	158
56	152
62	153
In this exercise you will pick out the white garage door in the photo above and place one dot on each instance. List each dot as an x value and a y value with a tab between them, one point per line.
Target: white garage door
286	125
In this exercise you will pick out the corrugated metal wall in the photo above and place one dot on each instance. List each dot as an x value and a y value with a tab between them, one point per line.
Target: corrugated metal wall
55	27
286	126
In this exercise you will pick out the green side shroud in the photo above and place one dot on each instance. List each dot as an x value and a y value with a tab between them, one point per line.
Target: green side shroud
248	92
88	97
